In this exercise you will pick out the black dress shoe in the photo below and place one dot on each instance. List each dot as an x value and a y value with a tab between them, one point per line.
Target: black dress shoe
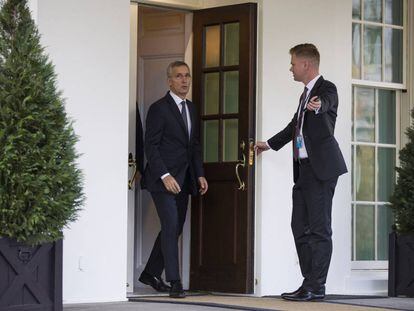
153	281
292	293
305	295
176	290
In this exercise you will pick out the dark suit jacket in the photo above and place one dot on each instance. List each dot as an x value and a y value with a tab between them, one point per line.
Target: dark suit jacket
168	147
318	133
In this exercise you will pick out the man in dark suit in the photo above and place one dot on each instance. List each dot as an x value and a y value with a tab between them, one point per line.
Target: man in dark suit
317	164
173	172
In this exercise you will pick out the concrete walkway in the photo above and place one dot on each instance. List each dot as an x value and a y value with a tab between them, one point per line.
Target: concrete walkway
382	303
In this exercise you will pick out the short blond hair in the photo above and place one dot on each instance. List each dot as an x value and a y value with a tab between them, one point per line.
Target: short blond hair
307	50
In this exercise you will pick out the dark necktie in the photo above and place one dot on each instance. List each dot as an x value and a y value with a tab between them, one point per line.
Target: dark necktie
302	103
184	115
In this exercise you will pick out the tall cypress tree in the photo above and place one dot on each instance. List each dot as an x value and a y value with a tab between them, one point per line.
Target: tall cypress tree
40	183
402	199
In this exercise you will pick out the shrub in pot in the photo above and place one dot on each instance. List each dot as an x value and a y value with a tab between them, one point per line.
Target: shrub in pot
401	246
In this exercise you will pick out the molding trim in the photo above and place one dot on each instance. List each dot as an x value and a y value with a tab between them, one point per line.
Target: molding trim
407	98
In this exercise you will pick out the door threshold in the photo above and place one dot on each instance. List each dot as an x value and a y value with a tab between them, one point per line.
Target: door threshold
149	292
232	294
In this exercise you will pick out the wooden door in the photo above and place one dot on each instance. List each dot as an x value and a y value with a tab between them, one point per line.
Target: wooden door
222	221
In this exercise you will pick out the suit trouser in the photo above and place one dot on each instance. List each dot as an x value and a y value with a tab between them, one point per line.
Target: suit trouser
311	226
172	210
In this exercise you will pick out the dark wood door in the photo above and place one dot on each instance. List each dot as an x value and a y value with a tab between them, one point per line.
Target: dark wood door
224	87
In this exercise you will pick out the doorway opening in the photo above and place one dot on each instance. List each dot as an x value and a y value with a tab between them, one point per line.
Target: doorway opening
219	45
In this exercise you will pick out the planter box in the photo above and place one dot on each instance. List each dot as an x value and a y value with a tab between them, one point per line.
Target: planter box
401	265
30	277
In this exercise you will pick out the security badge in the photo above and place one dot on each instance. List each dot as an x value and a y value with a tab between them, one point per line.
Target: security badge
299	141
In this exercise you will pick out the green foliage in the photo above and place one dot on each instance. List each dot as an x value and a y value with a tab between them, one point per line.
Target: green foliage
402	199
40	184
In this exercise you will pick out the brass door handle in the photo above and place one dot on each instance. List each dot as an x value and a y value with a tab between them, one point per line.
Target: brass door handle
241	163
251	152
132	163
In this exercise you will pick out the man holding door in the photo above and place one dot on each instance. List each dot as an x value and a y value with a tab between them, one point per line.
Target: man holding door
317	164
173	172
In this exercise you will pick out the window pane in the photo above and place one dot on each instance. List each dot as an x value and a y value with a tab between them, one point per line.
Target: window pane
373	10
231	138
356	9
231	92
386	173
372	52
211	93
353	115
386	116
352	232
212	46
231	44
394	12
364	173
364	235
365	114
393	41
352	172
356	51
210	140
385	221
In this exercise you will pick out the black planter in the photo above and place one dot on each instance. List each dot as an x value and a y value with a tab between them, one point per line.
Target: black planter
30	277
401	265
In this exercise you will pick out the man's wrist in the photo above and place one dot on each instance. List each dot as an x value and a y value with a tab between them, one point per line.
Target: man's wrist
165	175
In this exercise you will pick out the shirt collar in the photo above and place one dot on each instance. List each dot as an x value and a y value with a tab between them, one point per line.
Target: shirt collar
176	98
312	82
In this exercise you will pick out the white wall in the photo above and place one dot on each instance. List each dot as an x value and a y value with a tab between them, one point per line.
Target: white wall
88	42
33	8
283	24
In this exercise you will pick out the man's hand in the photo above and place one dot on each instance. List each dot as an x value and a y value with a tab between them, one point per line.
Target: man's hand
171	184
260	147
203	185
314	103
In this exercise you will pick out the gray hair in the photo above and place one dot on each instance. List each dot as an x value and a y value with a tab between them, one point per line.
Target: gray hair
177	63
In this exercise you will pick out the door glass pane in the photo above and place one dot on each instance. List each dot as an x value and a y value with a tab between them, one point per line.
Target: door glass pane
365	227
394	12
393	41
231	92
212	46
210	140
386	117
373	10
231	44
385	221
356	9
356	51
372	52
211	93
386	173
364	173
365	114
231	138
